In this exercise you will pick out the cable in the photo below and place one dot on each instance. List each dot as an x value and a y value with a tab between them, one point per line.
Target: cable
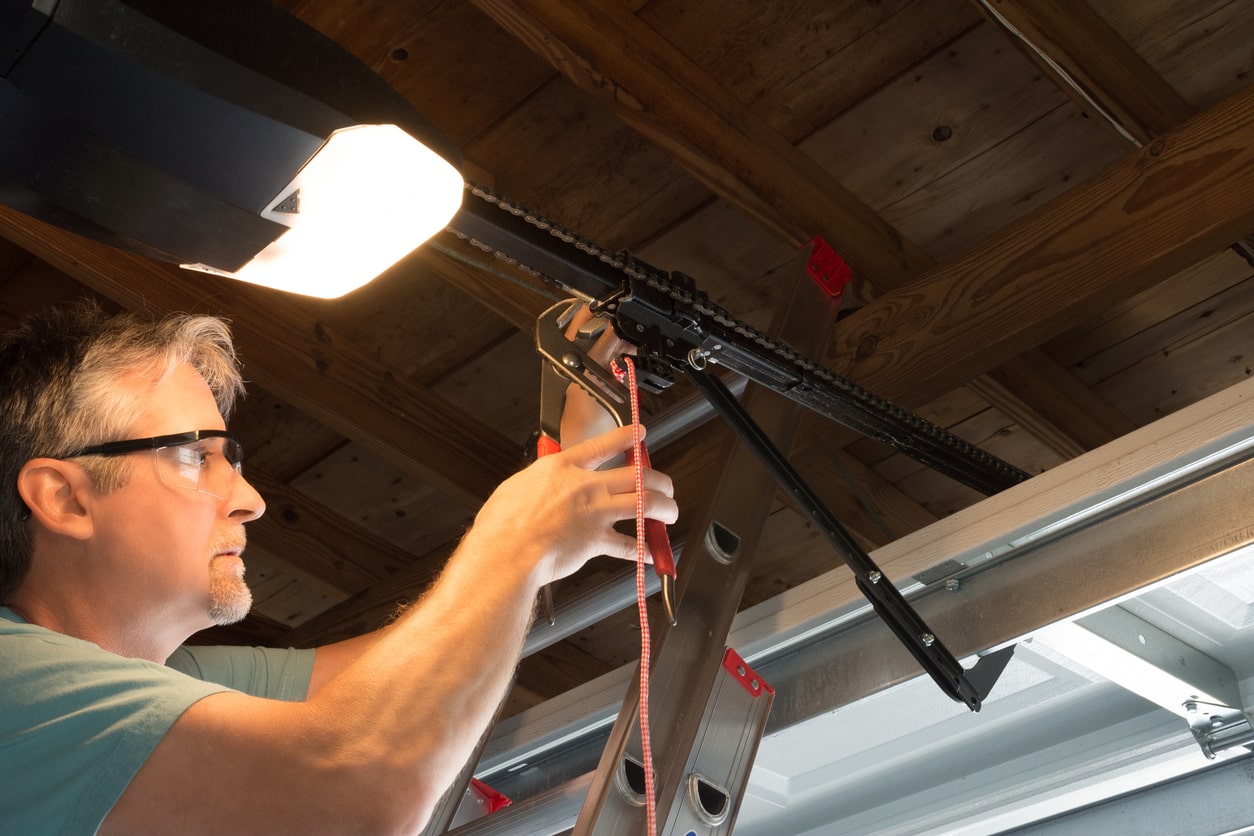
646	746
1067	78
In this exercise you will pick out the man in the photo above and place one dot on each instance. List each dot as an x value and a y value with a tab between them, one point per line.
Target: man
126	510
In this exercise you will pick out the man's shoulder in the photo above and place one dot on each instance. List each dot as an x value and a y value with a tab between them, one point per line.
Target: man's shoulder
77	722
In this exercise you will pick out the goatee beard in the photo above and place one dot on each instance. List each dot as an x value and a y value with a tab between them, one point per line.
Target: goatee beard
230	599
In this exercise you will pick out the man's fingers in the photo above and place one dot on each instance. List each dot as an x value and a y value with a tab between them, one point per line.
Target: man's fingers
577	319
658	506
655	481
599	449
623	480
661	507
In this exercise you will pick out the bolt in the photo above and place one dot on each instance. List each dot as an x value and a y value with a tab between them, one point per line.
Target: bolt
874	577
928	639
571	361
1190	707
953	584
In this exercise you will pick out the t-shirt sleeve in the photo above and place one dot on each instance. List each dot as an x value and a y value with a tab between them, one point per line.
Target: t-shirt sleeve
278	674
76	724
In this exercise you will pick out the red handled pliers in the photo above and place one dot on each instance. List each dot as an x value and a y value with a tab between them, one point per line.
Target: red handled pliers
566	362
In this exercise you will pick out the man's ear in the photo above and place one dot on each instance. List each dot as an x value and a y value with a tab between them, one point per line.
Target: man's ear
53	490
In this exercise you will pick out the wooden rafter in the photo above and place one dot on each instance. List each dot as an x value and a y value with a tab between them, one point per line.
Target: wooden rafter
1091	63
1163	208
610	53
299	359
1101	72
320	541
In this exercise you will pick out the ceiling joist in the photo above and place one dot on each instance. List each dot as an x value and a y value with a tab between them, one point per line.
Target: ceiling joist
1160	210
294	356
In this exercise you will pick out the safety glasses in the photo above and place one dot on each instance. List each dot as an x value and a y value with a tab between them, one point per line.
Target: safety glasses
207	461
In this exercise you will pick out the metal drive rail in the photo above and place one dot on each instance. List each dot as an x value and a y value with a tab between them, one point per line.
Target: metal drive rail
678	331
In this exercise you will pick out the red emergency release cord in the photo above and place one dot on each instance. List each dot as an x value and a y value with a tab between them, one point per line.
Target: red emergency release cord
646	747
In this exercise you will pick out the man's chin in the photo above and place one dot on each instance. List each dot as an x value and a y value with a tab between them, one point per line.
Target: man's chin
230	599
225	616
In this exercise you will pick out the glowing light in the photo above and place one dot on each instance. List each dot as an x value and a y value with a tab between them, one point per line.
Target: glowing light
368	198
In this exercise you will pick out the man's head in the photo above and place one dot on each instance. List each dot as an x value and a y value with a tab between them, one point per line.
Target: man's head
61	376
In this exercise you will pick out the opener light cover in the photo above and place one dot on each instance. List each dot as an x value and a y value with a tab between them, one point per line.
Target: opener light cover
365	200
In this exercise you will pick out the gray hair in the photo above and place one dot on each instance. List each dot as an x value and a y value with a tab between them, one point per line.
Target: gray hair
59	371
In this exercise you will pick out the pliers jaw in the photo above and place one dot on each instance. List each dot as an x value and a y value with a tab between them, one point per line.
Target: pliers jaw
565	362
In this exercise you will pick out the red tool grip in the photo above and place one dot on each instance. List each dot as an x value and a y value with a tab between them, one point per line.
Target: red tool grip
546	445
655	534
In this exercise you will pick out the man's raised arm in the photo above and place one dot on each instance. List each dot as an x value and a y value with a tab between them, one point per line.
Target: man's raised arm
378	742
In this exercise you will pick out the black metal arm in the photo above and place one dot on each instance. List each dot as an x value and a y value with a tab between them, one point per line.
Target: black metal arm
677	330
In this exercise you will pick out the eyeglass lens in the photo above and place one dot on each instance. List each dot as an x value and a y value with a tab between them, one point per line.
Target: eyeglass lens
209	465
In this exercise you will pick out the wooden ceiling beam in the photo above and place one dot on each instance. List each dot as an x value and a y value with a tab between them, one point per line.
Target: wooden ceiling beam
1166	206
1102	73
617	58
1070	421
375	606
610	53
294	356
316	540
1090	62
508	293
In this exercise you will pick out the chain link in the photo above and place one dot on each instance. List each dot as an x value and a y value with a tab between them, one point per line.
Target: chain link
660	281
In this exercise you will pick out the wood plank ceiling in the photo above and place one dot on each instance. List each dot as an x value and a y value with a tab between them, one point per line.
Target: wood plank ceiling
1040	203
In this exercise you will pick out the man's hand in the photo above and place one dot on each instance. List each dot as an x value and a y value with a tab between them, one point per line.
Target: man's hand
377	743
560	511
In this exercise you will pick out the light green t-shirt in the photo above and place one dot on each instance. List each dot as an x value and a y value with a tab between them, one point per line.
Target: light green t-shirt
77	722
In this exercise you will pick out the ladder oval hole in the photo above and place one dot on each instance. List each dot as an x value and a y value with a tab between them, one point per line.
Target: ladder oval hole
722	542
629	779
708	800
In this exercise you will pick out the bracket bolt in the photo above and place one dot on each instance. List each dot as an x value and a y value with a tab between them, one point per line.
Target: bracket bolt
875	577
953	584
928	639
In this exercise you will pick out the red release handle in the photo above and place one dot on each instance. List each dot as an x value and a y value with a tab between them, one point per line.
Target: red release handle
546	446
655	533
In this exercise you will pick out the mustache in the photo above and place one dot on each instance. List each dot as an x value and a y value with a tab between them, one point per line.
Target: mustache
233	542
